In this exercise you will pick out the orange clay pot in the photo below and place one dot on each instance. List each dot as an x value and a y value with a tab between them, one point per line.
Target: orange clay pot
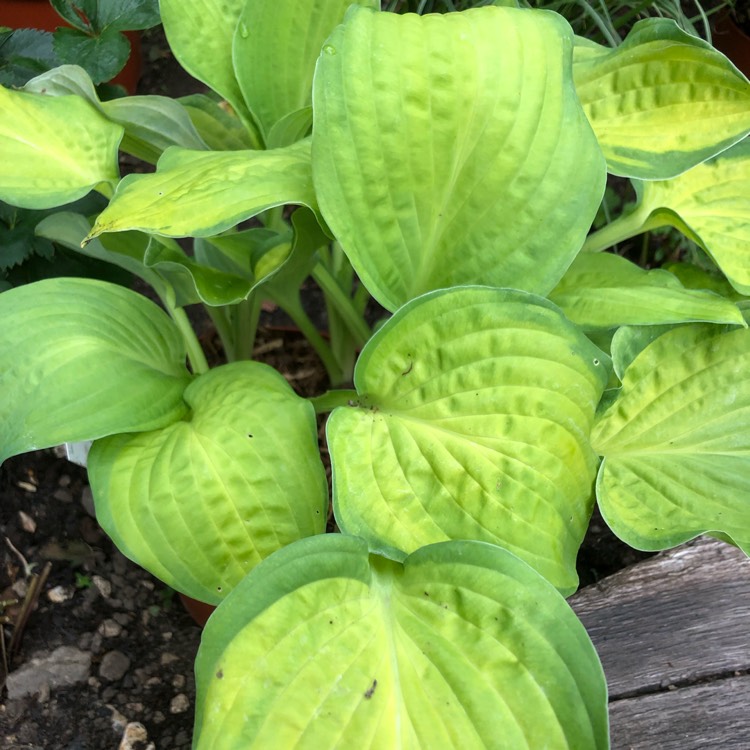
199	611
39	14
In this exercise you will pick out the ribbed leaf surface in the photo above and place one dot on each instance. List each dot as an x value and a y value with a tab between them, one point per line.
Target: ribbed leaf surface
473	418
462	646
452	149
661	102
202	501
53	150
200	193
676	442
80	359
711	204
604	291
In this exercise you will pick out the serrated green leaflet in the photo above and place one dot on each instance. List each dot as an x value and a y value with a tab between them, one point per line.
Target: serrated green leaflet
275	49
462	646
202	501
661	102
676	442
446	153
607	291
199	193
200	35
80	359
54	150
473	418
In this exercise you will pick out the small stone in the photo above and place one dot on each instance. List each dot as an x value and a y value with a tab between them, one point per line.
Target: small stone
179	704
87	500
114	665
152	681
134	733
60	594
65	666
146	584
181	738
122	618
26	486
20	587
64	480
166	636
96	643
94	683
158	717
109	629
167	658
28	524
63	495
178	681
103	586
119	722
134	708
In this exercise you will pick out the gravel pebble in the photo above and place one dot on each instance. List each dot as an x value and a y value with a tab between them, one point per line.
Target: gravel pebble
109	628
60	594
87	500
114	666
64	666
103	586
179	704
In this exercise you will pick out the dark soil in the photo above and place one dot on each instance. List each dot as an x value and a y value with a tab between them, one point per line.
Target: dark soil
125	678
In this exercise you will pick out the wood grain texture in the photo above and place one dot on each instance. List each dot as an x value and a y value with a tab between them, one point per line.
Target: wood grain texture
673	635
716	715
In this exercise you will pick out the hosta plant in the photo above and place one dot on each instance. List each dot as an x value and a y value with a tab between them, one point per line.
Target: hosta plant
450	166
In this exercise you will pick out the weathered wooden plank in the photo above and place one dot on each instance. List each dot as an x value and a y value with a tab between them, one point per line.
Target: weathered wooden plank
716	715
677	618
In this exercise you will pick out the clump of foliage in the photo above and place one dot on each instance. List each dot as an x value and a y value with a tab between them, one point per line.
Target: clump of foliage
451	166
90	35
92	39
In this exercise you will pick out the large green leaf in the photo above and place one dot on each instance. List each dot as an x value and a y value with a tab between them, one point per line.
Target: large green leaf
198	193
53	150
709	203
661	102
451	149
200	35
462	646
275	48
608	291
80	359
472	423
202	501
676	442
